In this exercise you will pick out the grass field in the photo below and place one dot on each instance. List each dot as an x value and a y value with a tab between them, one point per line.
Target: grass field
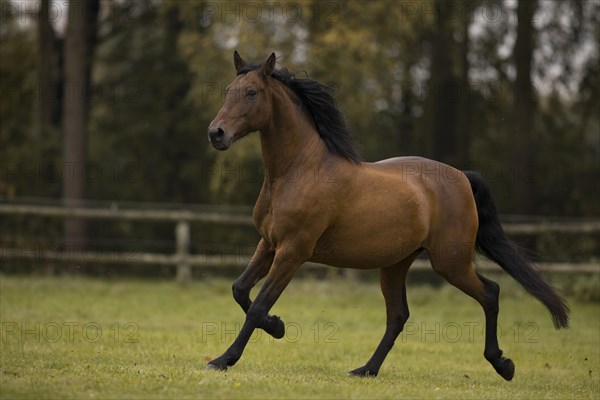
97	339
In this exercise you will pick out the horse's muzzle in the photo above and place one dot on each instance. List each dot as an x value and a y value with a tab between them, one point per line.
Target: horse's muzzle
216	136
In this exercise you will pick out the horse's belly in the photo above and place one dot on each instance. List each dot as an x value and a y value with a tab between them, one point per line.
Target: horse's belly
382	220
367	248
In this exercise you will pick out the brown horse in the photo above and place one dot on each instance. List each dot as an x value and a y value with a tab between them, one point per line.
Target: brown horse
320	203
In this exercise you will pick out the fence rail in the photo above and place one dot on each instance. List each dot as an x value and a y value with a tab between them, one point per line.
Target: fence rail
186	261
115	212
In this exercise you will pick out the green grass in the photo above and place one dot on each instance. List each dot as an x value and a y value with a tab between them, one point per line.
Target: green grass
97	339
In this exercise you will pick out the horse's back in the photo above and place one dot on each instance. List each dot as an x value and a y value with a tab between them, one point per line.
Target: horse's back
427	174
420	168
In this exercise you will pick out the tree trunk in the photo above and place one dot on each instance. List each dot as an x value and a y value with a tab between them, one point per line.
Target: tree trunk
49	75
464	104
79	47
443	91
406	129
524	109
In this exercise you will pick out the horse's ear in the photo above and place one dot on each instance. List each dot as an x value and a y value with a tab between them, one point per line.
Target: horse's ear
238	61
269	65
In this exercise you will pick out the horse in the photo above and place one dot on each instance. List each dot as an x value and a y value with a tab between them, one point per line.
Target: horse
320	202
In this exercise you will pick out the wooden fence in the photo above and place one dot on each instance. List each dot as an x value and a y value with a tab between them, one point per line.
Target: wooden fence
184	261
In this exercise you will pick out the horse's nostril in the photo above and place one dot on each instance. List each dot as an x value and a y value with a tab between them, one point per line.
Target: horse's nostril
216	135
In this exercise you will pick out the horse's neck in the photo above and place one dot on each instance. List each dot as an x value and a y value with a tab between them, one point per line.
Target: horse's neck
290	144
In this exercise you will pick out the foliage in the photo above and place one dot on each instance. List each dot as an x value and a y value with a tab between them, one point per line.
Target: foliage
23	164
161	68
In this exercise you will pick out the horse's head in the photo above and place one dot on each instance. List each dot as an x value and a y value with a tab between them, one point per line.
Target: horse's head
247	106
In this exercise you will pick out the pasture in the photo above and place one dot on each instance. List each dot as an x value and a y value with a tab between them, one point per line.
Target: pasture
91	338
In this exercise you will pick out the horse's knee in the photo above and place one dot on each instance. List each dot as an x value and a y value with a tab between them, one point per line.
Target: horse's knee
241	292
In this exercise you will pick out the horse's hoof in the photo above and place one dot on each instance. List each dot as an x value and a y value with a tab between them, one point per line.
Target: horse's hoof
279	330
363	372
276	327
506	369
215	367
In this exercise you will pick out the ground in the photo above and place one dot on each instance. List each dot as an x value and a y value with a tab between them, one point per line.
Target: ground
121	338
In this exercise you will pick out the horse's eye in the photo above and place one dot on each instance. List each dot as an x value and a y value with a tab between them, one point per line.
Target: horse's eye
251	93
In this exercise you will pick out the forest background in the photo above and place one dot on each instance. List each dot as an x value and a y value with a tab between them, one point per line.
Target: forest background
110	100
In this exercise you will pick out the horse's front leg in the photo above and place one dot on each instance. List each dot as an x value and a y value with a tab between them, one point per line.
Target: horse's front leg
280	274
257	268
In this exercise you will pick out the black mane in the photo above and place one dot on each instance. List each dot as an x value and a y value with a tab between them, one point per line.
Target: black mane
319	101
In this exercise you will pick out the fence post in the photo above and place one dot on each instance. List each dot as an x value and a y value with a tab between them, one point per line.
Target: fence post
182	237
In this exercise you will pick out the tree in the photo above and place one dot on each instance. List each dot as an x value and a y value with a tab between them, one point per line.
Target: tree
79	48
49	74
524	109
449	88
464	102
442	88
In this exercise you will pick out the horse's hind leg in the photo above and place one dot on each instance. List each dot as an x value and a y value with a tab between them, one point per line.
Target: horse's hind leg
258	268
394	291
504	366
485	291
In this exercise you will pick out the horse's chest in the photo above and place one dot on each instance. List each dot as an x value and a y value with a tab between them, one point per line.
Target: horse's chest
278	217
264	223
263	216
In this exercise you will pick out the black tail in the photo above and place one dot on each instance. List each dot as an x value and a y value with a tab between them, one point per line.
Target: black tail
493	243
